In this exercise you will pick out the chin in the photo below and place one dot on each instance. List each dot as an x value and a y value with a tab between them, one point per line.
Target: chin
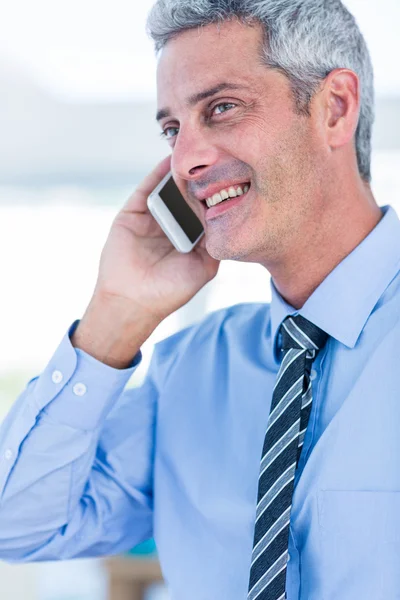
220	251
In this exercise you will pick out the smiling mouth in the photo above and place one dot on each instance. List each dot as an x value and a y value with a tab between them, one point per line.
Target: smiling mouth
227	194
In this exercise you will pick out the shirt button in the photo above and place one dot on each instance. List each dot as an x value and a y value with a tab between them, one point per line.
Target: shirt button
288	557
313	374
79	389
8	454
57	376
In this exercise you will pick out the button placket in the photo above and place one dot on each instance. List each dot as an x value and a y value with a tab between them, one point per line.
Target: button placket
8	454
57	376
79	389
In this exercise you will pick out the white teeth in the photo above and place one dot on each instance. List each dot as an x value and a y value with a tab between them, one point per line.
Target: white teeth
216	198
231	192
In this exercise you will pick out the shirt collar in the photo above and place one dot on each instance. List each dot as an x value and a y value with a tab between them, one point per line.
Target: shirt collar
343	301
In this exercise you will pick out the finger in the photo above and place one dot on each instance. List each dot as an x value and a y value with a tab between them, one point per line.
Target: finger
137	202
202	242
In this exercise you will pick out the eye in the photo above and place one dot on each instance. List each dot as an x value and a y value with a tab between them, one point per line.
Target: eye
223	104
165	135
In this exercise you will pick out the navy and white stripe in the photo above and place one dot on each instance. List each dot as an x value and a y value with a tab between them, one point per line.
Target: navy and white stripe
287	424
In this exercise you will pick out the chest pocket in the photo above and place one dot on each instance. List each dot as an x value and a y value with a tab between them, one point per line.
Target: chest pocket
360	544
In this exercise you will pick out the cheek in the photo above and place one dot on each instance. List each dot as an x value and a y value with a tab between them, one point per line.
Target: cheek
273	142
293	149
247	143
286	168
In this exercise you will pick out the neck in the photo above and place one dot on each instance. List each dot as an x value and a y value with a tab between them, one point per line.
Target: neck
327	239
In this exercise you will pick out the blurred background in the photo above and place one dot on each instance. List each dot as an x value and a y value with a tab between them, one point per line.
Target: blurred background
78	133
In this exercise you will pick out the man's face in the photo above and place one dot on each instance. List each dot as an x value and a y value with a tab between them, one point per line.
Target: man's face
249	134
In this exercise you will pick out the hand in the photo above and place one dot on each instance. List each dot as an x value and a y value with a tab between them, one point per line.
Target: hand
139	266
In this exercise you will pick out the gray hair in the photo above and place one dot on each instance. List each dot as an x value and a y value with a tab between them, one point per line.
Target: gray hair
304	39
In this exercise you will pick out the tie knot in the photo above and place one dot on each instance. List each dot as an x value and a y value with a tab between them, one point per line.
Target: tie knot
298	332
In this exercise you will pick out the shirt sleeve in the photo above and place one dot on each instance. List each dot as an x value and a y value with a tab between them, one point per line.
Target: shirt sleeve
76	460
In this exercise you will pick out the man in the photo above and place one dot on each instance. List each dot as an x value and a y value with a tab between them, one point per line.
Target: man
262	451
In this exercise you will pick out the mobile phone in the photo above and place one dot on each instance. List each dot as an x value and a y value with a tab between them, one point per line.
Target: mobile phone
171	211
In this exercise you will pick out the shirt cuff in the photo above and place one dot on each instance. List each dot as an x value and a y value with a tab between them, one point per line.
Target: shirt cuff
78	390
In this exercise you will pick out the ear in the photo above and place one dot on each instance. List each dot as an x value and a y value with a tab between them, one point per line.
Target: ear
341	106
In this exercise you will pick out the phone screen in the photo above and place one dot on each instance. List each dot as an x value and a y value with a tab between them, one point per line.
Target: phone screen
181	211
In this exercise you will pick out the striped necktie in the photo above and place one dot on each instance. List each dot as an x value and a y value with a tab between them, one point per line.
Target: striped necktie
288	419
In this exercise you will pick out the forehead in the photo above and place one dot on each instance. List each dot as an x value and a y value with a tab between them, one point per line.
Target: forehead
202	56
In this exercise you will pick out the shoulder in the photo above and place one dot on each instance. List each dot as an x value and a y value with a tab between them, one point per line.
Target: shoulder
205	329
232	324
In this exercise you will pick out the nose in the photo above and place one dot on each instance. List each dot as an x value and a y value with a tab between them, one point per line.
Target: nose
193	153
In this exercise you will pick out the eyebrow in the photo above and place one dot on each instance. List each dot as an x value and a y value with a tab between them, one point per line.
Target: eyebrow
196	98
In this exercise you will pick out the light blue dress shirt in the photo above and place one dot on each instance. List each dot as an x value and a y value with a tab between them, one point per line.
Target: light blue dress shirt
89	468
